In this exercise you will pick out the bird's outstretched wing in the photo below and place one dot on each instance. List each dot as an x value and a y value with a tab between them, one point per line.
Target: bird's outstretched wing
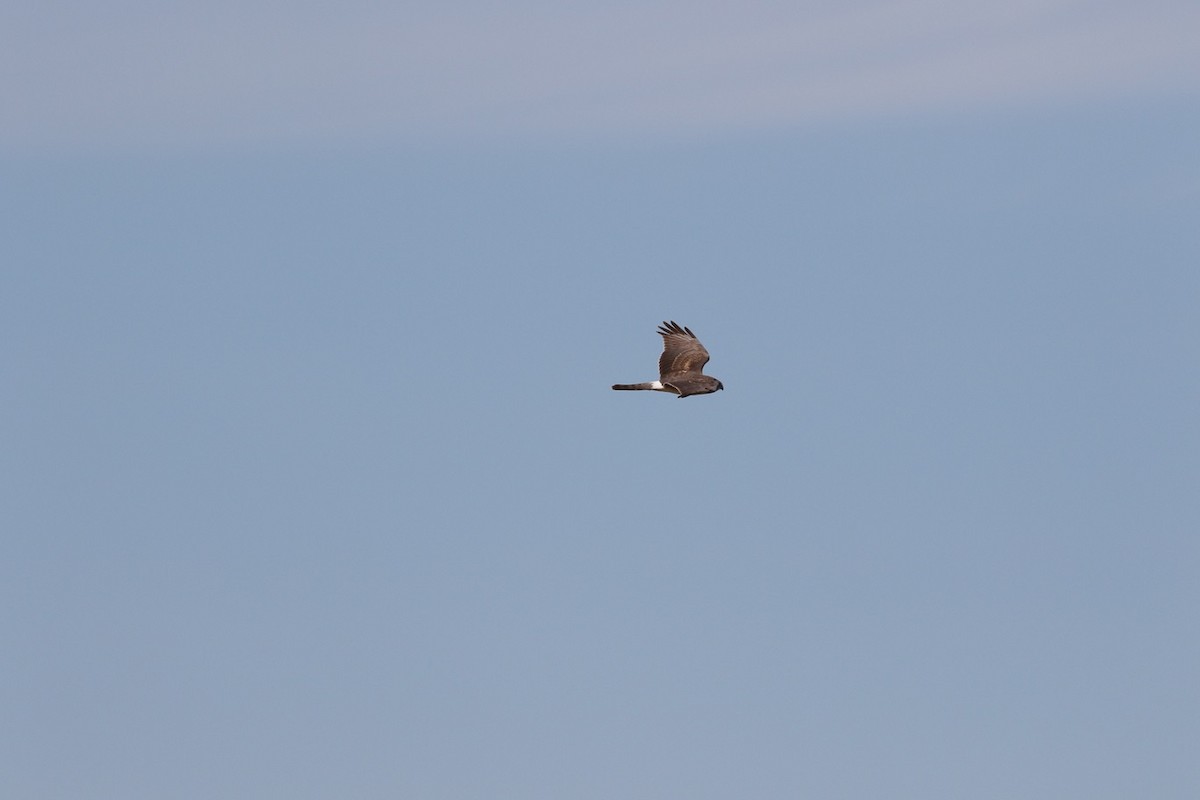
683	355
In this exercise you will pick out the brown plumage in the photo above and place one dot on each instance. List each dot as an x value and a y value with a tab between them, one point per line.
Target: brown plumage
681	365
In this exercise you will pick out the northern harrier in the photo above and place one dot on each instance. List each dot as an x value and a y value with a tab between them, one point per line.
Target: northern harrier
681	366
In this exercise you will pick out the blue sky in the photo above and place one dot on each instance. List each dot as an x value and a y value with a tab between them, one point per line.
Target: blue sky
313	484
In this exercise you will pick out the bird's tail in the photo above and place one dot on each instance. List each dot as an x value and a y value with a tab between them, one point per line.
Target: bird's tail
633	387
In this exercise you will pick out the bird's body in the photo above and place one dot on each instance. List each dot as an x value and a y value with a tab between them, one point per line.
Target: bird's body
680	367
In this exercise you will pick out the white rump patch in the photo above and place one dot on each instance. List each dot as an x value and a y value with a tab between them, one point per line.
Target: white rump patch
656	384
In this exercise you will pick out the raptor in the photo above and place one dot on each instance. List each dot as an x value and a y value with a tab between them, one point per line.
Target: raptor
680	367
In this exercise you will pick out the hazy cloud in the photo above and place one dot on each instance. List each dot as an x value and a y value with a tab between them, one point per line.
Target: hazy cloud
170	75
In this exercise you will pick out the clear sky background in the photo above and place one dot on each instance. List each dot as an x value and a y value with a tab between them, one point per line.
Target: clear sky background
313	485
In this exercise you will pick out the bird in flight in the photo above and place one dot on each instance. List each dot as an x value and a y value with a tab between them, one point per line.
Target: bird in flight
680	367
